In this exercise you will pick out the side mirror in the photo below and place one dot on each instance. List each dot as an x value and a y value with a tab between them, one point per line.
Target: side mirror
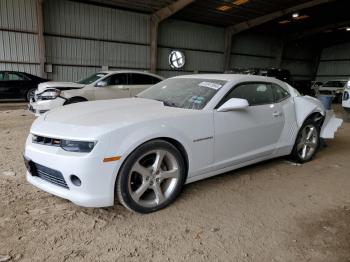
102	84
233	104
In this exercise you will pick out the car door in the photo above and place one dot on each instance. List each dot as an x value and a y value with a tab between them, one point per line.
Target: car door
18	84
12	85
116	86
139	82
250	133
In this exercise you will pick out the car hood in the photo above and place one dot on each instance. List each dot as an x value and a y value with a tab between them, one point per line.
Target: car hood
58	85
112	113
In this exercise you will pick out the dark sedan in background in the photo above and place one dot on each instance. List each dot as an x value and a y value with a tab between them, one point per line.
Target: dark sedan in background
18	85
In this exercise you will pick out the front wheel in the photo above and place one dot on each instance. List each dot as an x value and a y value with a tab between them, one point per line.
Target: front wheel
30	94
151	177
307	142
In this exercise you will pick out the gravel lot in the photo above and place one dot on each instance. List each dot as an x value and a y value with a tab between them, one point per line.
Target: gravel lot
274	211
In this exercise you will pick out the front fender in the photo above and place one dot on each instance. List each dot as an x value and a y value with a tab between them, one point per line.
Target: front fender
124	143
140	136
68	94
305	106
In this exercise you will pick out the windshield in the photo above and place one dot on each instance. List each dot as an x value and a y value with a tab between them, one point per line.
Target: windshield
91	79
186	93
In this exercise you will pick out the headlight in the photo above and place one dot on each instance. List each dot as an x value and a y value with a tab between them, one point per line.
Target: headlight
77	146
50	94
348	85
68	145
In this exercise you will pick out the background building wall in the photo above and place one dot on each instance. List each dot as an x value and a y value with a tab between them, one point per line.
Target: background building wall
81	38
202	44
334	63
18	38
256	51
89	37
300	60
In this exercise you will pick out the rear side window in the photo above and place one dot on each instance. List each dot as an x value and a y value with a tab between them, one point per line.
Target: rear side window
1	76
279	93
142	79
254	93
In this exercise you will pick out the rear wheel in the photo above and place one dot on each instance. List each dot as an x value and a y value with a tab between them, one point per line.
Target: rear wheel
307	142
151	177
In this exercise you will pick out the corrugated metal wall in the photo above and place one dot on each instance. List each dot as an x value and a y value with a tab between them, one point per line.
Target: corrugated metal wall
300	59
80	38
202	44
261	51
253	51
18	39
89	36
334	63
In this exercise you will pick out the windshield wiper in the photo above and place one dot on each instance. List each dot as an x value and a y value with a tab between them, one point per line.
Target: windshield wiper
169	103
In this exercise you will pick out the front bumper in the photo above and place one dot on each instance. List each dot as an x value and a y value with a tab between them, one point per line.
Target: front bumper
42	106
97	178
330	125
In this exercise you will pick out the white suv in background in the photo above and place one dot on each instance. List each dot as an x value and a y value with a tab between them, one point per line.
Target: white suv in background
99	86
346	97
333	87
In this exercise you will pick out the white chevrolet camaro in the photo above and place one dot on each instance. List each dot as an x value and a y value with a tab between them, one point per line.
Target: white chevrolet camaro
142	150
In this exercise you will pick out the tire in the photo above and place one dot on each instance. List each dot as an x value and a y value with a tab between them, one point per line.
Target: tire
307	142
30	94
145	185
74	100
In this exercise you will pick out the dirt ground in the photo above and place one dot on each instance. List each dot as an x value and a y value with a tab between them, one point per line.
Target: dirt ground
273	211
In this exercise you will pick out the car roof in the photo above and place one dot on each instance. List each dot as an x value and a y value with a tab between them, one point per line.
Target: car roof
7	71
130	71
233	77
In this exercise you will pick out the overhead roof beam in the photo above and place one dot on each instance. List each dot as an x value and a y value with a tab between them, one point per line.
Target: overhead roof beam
237	28
269	17
155	19
316	30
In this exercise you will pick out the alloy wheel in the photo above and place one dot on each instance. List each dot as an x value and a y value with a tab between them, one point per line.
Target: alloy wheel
308	142
153	178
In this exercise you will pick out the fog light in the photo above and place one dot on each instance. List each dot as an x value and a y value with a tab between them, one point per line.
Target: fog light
75	180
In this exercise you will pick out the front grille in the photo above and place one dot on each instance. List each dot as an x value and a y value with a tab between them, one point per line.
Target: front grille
47	174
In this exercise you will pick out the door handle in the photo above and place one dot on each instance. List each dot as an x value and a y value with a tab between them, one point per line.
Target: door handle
277	114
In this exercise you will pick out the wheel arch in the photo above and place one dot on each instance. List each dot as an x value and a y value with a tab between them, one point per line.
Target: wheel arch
75	97
318	118
176	143
307	107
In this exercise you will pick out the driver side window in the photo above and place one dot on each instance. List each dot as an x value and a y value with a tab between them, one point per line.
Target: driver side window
116	80
15	77
254	93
